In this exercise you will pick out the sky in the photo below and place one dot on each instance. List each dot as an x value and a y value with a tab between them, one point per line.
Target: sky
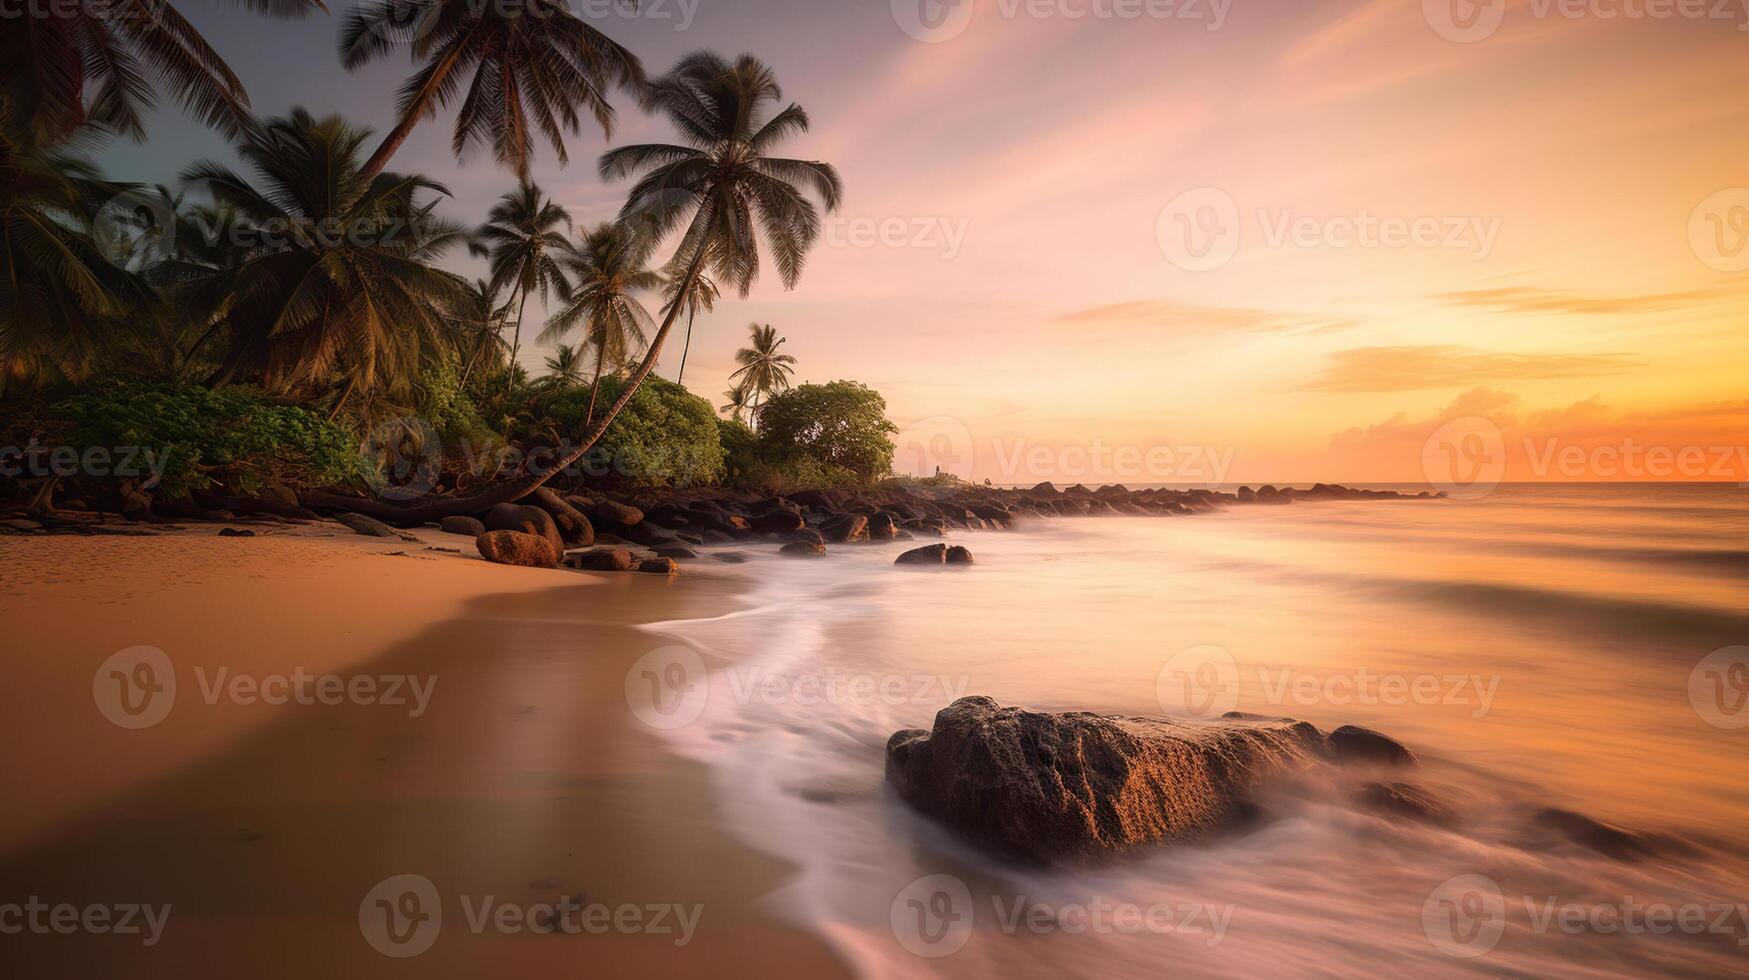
1201	241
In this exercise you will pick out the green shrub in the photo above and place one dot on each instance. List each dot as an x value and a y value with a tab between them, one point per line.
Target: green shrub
665	436
835	433
232	437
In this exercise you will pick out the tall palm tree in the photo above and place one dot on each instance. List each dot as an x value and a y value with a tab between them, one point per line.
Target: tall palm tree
737	404
338	284
522	241
702	296
531	58
565	366
105	63
477	320
609	265
722	190
763	370
58	292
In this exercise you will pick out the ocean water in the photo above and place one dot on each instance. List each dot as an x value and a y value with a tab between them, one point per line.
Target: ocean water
1572	647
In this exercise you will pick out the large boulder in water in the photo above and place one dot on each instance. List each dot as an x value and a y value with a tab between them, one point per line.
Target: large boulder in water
1043	787
1352	743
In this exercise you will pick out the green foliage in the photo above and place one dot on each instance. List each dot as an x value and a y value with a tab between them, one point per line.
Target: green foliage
233	437
823	430
665	436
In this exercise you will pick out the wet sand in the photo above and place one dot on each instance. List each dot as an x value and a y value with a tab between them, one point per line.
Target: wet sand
525	779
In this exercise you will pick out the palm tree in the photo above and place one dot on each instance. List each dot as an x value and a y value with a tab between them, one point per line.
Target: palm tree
530	58
477	319
58	293
338	283
70	65
609	265
763	370
722	190
737	404
565	366
522	240
702	296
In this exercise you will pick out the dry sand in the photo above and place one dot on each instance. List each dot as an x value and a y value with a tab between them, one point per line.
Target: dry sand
525	778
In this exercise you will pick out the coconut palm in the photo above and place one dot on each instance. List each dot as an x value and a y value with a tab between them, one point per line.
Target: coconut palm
722	190
607	268
59	294
702	296
737	403
522	241
338	281
565	366
477	319
104	64
533	58
763	371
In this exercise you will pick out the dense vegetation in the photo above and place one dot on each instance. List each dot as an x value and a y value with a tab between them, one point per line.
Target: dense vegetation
287	324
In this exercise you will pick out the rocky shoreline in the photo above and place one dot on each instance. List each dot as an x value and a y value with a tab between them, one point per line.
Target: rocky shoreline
654	531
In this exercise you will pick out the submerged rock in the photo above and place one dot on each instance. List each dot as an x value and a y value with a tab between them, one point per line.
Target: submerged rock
1045	786
659	566
803	549
1351	743
959	555
934	554
1402	800
1609	841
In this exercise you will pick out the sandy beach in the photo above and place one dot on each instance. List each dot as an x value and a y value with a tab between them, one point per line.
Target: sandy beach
484	744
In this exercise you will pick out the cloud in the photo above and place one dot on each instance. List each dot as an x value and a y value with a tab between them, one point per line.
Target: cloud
1181	318
1529	299
1371	369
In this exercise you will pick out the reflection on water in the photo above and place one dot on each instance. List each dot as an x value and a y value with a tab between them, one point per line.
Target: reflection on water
1540	648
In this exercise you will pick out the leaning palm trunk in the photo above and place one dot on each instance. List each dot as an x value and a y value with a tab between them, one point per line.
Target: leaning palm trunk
595	386
515	489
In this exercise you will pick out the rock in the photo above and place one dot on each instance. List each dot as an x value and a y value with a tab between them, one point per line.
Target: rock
676	552
20	524
659	566
231	532
615	514
1401	800
999	516
1044	787
803	549
651	535
371	527
469	526
517	548
730	557
1610	841
845	528
959	555
574	529
602	560
805	534
776	522
1351	743
928	526
1046	489
935	554
882	527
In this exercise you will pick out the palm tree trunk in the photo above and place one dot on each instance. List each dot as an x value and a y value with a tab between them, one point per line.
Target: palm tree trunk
516	347
417	110
595	386
516	489
679	379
